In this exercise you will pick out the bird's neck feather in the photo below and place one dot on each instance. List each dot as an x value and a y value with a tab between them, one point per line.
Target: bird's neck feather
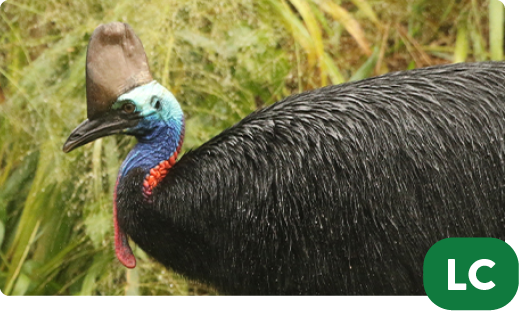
155	152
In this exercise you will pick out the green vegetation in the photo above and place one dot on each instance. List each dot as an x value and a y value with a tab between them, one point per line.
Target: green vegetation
222	60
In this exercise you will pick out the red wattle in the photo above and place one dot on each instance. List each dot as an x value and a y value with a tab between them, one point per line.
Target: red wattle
123	250
158	173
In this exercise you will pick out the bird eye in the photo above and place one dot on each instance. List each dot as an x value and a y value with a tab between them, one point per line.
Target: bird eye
157	105
129	107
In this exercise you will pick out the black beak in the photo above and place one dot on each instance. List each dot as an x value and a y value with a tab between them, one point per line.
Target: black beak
108	124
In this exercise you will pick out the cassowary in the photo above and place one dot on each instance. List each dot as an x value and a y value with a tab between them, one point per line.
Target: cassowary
338	190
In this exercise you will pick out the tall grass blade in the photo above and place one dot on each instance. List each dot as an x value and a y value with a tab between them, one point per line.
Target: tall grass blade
351	25
367	68
14	275
462	44
497	29
300	33
315	33
2	232
132	283
367	10
333	71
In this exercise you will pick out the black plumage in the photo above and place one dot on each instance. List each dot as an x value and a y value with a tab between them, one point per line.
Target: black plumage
339	190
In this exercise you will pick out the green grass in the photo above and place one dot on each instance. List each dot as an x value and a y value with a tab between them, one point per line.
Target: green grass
222	60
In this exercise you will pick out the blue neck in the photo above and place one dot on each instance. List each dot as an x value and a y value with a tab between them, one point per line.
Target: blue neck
153	148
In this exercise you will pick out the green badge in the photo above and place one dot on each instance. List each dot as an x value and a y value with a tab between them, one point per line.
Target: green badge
471	273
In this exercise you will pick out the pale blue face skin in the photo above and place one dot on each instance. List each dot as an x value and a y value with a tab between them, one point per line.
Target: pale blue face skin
158	132
145	99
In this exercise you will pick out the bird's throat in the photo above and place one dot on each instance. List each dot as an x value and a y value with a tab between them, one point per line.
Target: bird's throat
158	173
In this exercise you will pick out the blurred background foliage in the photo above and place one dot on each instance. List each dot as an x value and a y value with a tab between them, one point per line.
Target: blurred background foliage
222	60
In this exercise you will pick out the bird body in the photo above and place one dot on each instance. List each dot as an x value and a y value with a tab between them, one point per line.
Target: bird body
338	190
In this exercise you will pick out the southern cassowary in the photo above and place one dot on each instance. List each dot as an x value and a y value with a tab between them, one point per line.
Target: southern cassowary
338	190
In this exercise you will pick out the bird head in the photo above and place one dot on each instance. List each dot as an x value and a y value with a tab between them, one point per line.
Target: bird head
122	97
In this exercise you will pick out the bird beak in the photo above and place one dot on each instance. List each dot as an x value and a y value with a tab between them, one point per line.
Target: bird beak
90	130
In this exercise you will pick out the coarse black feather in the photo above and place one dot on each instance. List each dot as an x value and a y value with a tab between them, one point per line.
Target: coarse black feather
339	190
